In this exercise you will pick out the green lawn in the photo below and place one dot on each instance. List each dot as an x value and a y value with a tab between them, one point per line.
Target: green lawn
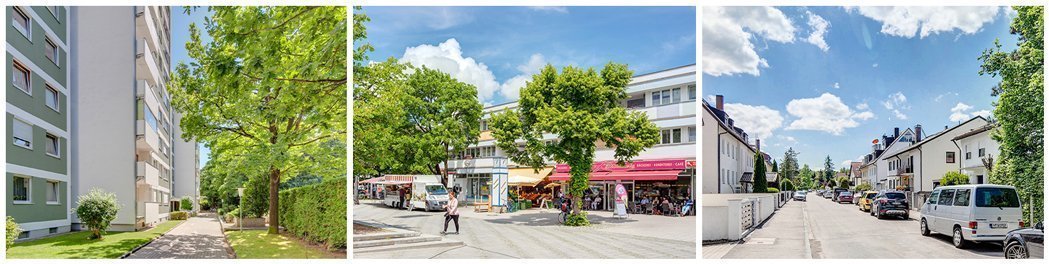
257	244
76	245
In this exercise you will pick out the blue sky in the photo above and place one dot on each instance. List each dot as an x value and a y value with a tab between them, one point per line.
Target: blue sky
828	80
498	48
179	36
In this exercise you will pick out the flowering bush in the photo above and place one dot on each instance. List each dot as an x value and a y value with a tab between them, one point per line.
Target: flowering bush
96	210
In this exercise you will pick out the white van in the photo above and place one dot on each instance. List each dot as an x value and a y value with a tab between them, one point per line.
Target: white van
972	212
425	192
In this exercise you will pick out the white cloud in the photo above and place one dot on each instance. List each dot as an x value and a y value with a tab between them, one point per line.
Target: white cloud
863	106
728	34
757	120
557	9
940	96
874	65
837	86
824	113
958	112
711	98
926	20
895	104
819	29
447	57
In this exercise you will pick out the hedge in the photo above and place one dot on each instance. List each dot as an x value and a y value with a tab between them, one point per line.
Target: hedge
178	215
316	212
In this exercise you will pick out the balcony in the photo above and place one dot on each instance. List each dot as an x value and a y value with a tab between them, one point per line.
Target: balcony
146	26
668	111
479	165
149	212
147	138
146	63
147	174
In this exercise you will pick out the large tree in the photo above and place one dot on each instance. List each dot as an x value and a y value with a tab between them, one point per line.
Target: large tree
806	176
761	184
443	117
582	107
828	168
271	85
789	169
1020	107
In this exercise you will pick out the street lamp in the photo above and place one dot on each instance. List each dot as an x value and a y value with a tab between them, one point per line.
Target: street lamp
240	194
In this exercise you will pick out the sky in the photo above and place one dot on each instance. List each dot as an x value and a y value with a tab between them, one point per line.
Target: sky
497	49
828	80
179	36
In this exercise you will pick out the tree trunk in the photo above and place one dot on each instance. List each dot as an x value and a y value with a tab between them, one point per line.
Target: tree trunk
274	196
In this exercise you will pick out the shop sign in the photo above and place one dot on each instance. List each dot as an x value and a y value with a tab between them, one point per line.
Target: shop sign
645	165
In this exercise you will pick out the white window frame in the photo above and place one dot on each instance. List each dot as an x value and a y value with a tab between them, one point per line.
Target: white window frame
54	187
17	66
691	134
692	92
53	10
14	134
57	145
55	50
26	31
48	90
28	193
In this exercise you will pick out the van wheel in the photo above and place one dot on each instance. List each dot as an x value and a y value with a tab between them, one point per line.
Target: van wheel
958	239
925	228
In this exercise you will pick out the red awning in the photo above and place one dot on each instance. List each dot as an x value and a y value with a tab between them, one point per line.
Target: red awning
660	175
373	180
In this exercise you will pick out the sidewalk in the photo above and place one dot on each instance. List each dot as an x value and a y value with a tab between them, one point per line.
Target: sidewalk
197	238
786	229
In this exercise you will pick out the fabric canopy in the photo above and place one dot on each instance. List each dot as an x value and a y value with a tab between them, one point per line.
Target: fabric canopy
658	175
527	176
373	180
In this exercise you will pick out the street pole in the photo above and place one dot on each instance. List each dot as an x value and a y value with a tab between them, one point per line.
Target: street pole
240	223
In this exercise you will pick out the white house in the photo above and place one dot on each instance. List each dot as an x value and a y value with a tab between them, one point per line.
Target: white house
978	151
921	165
727	157
876	170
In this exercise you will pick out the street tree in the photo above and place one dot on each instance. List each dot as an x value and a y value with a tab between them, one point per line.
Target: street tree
270	85
790	164
806	177
1020	106
582	107
443	117
843	182
828	169
761	184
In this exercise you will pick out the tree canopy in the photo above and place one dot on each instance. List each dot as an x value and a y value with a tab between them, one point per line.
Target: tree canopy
268	91
582	107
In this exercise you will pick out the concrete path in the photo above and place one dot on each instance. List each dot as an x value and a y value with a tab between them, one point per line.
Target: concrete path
536	233
197	238
821	228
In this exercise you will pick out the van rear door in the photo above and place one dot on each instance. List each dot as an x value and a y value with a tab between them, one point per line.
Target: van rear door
996	210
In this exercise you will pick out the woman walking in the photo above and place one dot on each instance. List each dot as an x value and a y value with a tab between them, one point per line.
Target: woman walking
452	213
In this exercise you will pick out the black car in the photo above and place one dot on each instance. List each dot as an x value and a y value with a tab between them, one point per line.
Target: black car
1024	243
892	203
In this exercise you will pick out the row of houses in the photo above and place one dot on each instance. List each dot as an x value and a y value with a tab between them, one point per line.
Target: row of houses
728	167
914	161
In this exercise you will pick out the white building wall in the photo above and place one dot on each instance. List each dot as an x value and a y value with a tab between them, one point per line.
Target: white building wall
974	165
932	164
708	172
103	152
186	175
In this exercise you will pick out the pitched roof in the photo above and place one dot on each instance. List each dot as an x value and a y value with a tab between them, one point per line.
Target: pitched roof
934	136
719	115
974	132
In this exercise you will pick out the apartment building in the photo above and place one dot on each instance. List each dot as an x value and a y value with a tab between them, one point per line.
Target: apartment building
38	119
880	173
88	108
978	151
667	97
728	156
920	166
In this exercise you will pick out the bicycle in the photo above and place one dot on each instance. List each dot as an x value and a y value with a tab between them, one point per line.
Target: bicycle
566	208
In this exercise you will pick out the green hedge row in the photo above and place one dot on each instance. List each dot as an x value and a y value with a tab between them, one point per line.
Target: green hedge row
316	212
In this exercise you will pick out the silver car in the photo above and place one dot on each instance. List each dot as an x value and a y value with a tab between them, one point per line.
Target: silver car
800	195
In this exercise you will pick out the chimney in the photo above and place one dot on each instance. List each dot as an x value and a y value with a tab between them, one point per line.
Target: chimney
918	133
758	143
719	102
896	132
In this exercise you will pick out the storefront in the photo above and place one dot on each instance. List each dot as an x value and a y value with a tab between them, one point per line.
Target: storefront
652	179
480	181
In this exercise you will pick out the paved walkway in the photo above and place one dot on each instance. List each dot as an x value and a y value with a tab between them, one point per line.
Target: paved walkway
536	233
197	238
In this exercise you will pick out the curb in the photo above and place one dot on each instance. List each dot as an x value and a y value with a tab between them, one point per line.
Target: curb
127	254
228	247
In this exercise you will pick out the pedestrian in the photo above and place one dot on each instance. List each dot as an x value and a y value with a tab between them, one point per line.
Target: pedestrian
400	193
451	213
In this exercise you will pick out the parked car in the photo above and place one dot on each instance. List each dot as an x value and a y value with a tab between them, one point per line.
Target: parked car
827	194
972	213
856	197
845	196
890	203
837	191
800	196
1024	243
866	198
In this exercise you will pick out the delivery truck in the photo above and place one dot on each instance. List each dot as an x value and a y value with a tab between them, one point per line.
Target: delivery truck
422	192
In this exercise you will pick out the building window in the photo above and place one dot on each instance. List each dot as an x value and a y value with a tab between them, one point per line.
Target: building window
150	118
484	125
21	189
980	152
23	235
691	134
968	155
20	78
950	157
51	51
665	97
979	179
51	97
52	145
671	136
635	103
21	22
23	134
52	192
52	230
692	92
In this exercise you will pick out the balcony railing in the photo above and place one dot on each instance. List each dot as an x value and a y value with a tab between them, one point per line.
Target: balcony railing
147	173
668	111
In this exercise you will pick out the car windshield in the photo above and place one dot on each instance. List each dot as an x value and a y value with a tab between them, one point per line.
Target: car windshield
895	196
436	190
996	197
871	195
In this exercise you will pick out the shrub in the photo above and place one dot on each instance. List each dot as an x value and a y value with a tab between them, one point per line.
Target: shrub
205	204
863	187
235	213
316	212
577	219
954	178
787	185
256	196
186	204
13	230
772	190
96	210
179	215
